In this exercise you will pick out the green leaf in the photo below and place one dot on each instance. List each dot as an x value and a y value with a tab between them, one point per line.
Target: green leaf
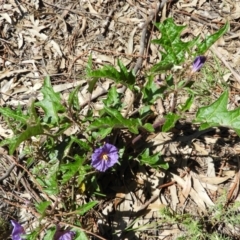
152	160
34	128
73	100
51	103
210	40
85	208
171	119
102	132
116	120
148	127
123	76
89	65
15	115
217	114
82	144
145	111
50	234
42	206
104	122
112	98
33	235
49	181
186	106
70	169
80	235
174	48
151	91
29	132
91	83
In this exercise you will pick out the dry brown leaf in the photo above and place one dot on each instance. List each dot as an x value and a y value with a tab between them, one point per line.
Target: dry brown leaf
194	195
201	2
93	11
186	188
65	86
6	133
175	231
213	180
6	17
8	73
119	198
130	42
211	168
190	4
236	14
200	149
20	40
174	197
156	206
101	58
234	187
197	185
127	102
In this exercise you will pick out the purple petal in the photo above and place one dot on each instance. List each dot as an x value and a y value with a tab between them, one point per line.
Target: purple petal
198	63
63	235
97	157
67	235
17	231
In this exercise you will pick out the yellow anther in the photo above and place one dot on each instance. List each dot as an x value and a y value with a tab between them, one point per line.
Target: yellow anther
105	156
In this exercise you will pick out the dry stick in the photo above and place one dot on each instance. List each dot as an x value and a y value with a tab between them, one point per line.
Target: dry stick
116	53
36	214
140	59
107	22
31	176
143	36
8	172
71	66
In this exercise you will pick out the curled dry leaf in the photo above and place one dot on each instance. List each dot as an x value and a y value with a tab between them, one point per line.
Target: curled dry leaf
186	189
198	186
214	180
130	42
8	73
174	197
194	195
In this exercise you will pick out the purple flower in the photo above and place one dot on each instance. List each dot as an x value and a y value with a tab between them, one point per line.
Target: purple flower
104	157
63	235
198	63
17	231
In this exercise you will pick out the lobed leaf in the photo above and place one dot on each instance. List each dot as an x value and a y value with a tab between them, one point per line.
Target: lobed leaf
174	49
152	160
15	115
210	40
84	208
217	114
171	119
51	103
123	76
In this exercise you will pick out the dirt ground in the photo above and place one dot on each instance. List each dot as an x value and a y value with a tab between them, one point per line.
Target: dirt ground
55	38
